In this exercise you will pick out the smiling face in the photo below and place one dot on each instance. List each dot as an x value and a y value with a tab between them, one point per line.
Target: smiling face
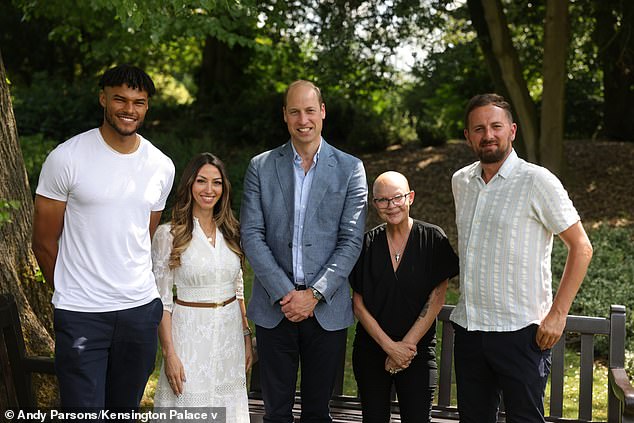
206	189
124	109
490	133
392	191
304	115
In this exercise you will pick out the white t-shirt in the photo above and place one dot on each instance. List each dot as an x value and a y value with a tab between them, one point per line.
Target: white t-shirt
104	260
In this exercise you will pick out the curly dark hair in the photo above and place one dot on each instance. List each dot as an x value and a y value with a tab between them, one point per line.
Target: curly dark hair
132	76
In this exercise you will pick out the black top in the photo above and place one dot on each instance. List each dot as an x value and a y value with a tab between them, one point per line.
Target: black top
395	299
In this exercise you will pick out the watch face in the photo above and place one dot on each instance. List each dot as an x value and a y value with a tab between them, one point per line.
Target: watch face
316	294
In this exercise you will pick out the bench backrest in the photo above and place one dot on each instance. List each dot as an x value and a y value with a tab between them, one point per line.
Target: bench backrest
582	327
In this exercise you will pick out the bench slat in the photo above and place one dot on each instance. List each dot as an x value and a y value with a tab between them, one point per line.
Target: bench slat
446	359
557	378
585	377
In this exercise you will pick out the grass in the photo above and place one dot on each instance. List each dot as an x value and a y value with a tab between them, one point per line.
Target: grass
571	389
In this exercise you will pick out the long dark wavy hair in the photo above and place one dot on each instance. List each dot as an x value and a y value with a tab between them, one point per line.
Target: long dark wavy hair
182	217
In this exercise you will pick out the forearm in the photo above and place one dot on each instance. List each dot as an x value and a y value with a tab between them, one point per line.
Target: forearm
577	262
428	314
370	324
575	270
243	313
165	335
46	256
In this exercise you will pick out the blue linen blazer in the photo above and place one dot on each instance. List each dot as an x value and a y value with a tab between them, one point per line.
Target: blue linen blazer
332	238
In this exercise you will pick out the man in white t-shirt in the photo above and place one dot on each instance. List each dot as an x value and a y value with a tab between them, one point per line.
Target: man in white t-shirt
506	321
98	201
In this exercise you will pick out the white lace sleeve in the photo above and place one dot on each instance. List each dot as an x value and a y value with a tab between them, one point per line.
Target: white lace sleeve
239	286
161	249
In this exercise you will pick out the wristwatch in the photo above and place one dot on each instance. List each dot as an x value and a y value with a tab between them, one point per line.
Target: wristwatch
316	294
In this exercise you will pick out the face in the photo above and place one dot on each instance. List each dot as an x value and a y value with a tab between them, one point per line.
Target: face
490	133
206	189
124	108
393	214
304	115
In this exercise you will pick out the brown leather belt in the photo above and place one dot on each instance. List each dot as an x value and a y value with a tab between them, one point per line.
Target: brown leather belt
205	305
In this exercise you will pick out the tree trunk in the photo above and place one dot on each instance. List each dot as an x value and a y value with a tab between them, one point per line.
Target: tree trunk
221	73
556	33
17	263
504	65
616	53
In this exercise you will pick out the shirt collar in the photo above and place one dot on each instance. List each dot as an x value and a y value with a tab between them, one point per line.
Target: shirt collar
504	171
298	159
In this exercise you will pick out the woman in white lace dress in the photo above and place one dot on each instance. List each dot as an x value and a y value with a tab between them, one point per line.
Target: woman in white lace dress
205	337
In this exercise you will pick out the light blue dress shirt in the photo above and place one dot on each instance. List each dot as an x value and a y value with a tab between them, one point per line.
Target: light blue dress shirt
303	183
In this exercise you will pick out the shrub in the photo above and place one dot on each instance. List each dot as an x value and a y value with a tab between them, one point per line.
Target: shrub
56	108
35	148
609	280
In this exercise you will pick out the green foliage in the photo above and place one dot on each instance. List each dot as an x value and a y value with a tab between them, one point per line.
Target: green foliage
6	208
35	148
445	80
609	280
55	108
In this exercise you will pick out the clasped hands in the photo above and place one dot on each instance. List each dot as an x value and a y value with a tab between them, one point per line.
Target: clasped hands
298	305
399	356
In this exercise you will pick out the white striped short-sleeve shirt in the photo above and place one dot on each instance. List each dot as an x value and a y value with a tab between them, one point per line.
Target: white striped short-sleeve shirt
505	237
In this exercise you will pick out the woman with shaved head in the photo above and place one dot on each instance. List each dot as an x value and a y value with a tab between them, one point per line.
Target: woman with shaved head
399	285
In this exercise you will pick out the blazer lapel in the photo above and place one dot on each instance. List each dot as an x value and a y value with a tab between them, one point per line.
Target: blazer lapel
286	180
324	175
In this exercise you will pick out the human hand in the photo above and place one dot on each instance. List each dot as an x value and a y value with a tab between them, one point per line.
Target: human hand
400	355
550	330
298	305
175	374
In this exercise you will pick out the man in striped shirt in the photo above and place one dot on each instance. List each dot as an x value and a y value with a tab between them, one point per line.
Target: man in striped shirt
506	320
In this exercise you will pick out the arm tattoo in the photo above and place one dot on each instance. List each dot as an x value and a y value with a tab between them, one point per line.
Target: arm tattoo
435	293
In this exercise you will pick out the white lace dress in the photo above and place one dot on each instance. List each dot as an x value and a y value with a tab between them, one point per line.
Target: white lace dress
208	341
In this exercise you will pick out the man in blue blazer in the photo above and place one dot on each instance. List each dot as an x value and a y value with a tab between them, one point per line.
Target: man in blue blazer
302	221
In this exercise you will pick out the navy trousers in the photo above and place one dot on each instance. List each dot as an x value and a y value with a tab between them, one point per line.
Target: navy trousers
280	351
492	363
103	360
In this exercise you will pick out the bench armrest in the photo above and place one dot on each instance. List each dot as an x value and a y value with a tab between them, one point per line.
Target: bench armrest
45	365
623	390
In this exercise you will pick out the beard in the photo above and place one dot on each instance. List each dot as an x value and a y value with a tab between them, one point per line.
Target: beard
109	117
494	156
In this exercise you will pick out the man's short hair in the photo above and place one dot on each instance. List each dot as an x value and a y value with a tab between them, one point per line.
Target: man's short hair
303	82
481	100
129	75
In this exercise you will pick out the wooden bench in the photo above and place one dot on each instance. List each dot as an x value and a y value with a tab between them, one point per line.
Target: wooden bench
620	392
16	368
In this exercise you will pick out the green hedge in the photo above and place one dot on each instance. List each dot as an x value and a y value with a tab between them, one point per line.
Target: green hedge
610	279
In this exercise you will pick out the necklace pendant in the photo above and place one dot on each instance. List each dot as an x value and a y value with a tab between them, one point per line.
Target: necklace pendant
397	256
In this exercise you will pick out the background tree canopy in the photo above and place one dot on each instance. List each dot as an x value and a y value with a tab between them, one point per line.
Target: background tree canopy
222	65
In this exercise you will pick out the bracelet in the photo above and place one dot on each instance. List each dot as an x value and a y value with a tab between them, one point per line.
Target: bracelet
247	332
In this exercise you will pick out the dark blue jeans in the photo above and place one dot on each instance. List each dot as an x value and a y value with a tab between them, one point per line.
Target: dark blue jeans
490	363
103	360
